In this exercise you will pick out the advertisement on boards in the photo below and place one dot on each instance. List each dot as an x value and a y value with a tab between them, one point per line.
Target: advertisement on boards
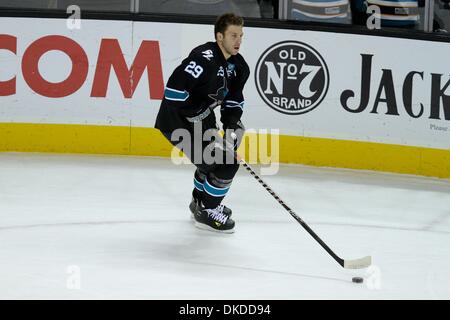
302	83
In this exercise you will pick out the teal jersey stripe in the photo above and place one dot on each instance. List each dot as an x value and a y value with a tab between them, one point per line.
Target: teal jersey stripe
175	95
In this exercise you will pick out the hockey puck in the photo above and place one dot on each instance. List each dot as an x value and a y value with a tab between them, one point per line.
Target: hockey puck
357	279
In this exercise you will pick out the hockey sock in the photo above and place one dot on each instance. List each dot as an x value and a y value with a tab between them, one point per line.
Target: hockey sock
215	190
199	180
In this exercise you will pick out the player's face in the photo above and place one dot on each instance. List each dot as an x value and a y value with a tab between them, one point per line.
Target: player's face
231	40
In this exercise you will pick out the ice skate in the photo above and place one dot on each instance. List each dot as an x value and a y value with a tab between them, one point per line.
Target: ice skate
213	219
196	205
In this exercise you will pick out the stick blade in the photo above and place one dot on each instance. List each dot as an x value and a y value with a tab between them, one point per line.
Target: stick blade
358	263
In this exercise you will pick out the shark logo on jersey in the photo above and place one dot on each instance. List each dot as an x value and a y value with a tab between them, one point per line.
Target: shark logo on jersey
220	95
208	54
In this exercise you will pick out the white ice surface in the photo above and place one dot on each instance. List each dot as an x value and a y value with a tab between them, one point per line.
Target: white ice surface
111	227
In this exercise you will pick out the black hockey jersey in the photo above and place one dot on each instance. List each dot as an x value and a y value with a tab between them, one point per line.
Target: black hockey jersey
201	82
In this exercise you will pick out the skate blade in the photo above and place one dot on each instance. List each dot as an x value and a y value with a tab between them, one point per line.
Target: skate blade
208	228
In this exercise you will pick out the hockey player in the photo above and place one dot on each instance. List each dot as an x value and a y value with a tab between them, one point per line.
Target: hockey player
214	74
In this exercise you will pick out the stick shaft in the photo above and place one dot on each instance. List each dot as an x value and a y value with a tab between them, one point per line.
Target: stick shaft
291	212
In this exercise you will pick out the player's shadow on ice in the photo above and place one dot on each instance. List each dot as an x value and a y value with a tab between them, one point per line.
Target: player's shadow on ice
191	252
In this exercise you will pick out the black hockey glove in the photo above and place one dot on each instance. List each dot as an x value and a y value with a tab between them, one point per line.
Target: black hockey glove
234	133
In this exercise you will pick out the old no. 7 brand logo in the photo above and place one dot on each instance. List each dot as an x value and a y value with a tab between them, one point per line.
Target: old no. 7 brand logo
292	77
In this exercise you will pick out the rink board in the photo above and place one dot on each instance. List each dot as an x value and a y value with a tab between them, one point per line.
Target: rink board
73	90
292	149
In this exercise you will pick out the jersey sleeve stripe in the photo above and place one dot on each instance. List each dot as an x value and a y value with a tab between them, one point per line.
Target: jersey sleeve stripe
234	104
175	95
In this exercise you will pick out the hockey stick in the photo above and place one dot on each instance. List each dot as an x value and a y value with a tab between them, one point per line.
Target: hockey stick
347	264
